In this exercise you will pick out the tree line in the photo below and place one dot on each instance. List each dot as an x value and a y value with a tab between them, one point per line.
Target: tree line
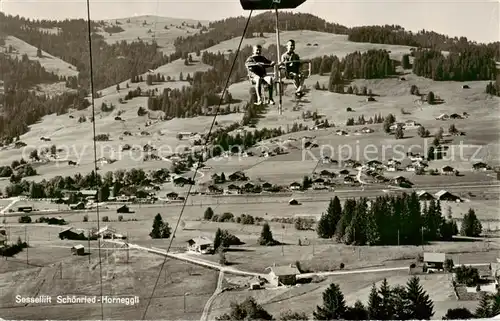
22	108
469	64
387	220
23	73
397	35
112	63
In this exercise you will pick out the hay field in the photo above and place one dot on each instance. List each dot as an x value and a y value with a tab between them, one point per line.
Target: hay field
135	29
79	277
49	62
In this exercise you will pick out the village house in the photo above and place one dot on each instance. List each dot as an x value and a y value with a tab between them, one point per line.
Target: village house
78	250
200	245
283	275
443	195
395	126
172	196
341	132
238	176
374	164
344	172
267	186
233	189
411	124
480	166
212	189
72	234
124	209
327	174
349	180
295	186
248	187
107	232
367	130
434	261
401	181
447	170
424	196
293	201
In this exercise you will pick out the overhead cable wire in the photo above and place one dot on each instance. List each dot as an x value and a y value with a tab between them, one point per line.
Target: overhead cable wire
207	139
94	177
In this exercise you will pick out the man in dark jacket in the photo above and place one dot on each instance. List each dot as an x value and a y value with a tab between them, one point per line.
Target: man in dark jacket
256	66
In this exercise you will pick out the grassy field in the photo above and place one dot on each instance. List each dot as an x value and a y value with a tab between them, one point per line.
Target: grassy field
79	277
49	62
306	297
327	44
135	29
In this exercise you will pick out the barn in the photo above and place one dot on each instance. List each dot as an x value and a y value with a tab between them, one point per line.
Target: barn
283	275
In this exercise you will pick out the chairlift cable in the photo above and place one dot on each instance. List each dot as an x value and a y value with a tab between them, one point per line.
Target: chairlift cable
199	163
96	181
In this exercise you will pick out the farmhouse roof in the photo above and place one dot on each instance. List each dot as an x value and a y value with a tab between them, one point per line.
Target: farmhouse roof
285	270
434	257
201	240
79	246
447	168
422	192
66	230
442	192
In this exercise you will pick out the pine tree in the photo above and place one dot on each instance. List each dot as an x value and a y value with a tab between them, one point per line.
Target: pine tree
266	236
400	303
217	239
386	301
357	312
160	228
209	213
374	304
484	308
334	306
420	306
471	226
323	227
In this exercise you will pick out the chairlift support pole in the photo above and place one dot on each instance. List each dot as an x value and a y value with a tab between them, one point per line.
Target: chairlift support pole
276	68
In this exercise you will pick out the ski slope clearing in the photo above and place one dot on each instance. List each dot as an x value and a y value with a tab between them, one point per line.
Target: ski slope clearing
49	62
165	30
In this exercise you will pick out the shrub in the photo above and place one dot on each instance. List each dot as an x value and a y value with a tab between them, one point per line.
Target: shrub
85	218
105	219
120	218
342	265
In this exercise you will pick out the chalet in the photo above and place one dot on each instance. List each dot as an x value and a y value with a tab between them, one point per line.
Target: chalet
480	166
267	186
456	116
443	195
370	99
434	260
124	210
71	234
180	181
424	196
283	275
373	164
367	130
248	187
78	250
201	245
344	172
349	180
107	232
350	163
396	125
447	170
416	157
393	162
212	189
391	168
295	186
411	168
172	196
411	124
233	189
401	181
77	206
238	176
341	132
465	87
380	179
293	201
25	209
327	174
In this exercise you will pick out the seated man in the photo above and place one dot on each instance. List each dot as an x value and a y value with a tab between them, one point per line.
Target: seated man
256	65
292	68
